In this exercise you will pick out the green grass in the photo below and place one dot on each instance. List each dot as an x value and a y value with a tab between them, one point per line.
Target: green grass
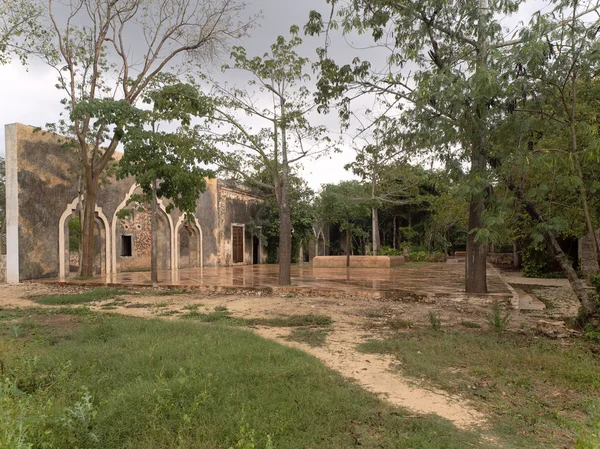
96	294
540	393
223	316
121	382
309	335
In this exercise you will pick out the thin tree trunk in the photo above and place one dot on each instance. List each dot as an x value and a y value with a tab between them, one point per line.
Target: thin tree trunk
348	241
394	234
285	225
376	235
154	238
475	267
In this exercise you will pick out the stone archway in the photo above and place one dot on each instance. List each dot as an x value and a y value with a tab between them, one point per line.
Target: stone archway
188	244
102	241
320	250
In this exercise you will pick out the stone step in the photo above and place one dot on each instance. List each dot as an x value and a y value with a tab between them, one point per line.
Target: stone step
528	301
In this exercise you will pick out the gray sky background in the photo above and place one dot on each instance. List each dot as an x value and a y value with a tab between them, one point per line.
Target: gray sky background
29	96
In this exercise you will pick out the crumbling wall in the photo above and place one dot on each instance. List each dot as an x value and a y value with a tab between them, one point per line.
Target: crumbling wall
43	184
236	207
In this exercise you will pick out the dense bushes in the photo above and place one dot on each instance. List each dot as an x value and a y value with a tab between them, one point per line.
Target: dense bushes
414	255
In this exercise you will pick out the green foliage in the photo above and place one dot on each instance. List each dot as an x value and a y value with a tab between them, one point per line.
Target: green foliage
168	163
74	234
498	323
425	256
345	204
595	281
435	321
538	263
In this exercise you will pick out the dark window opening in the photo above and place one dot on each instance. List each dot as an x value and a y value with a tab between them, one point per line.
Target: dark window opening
126	246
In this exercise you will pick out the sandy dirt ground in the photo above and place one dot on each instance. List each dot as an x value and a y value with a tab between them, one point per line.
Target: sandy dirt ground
356	320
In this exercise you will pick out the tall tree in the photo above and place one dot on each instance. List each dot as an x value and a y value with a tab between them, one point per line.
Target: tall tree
167	164
345	204
109	49
442	82
555	82
285	136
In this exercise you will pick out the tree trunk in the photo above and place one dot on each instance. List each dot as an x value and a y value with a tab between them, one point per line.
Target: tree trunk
574	147
588	305
285	223
475	267
376	235
394	234
348	241
87	227
154	238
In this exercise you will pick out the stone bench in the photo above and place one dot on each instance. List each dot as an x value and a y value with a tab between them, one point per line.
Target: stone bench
358	261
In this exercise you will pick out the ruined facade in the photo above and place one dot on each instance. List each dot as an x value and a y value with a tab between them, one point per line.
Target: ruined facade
43	205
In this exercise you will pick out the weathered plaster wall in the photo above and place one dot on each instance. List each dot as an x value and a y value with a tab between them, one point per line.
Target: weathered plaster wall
236	207
43	185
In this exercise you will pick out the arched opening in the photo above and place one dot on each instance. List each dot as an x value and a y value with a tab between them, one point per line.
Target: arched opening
188	238
321	244
73	237
163	247
69	242
188	243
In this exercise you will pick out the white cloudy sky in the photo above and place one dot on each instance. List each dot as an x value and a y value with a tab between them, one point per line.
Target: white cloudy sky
29	96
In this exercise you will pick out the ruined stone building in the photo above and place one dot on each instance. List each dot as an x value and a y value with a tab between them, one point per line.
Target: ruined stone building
43	184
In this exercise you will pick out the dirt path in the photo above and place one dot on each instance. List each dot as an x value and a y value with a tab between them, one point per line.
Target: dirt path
377	373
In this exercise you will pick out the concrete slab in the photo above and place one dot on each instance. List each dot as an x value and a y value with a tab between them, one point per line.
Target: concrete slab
528	301
358	261
415	280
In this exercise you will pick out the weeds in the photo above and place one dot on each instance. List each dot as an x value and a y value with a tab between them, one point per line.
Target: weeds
310	336
435	321
399	324
96	294
497	322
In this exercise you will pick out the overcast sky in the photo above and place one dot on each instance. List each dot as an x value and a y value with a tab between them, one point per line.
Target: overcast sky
29	96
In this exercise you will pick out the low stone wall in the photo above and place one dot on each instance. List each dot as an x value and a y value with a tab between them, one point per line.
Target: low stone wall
358	261
2	268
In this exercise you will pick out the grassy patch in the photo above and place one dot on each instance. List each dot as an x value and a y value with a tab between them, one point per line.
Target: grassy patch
223	316
399	324
96	294
470	324
293	321
131	383
541	393
164	292
309	335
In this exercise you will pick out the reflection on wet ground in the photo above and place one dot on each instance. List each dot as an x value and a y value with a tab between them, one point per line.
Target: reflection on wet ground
429	278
